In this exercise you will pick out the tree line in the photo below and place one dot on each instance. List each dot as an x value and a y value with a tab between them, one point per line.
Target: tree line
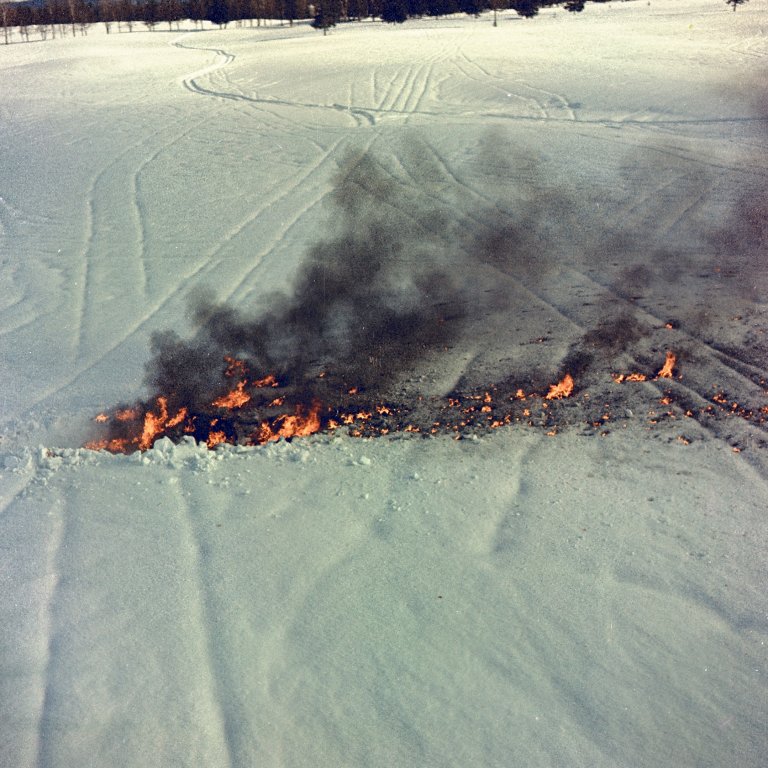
52	18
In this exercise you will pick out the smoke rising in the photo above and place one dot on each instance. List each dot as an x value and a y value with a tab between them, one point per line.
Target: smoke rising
408	271
391	284
432	284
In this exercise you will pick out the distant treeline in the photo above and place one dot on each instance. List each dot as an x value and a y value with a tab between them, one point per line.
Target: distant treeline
52	18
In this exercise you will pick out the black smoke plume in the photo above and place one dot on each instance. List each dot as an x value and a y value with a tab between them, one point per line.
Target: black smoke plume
391	285
496	288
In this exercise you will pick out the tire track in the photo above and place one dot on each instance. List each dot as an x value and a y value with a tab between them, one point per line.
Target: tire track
394	90
47	720
750	49
399	94
288	189
236	292
734	364
225	58
406	95
486	79
428	85
206	617
416	80
661	208
358	116
553	99
30	589
708	372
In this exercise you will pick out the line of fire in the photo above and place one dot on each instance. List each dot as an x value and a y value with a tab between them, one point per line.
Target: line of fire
256	410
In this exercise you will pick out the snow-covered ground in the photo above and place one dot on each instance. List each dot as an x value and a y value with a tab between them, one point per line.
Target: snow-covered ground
593	597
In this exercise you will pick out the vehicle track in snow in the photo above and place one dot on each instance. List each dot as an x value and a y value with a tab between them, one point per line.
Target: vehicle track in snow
207	618
313	176
50	630
209	263
111	260
232	93
404	94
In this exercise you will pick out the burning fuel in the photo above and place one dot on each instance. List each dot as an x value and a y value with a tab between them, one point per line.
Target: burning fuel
396	286
669	366
666	371
250	414
562	389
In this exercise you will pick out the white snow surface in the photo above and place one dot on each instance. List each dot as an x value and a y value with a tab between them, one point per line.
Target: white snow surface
514	599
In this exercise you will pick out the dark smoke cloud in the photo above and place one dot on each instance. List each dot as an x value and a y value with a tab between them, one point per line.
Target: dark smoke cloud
394	282
495	275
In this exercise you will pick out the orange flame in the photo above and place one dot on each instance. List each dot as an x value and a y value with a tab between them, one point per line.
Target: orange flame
669	365
235	367
621	377
563	388
237	398
215	438
127	414
297	424
268	381
116	445
155	423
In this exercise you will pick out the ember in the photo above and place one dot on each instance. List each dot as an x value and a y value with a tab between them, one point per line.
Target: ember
666	372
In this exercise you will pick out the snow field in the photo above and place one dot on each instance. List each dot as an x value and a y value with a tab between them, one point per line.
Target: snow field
517	599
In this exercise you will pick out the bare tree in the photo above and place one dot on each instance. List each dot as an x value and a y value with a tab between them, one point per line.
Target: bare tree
24	16
6	16
105	10
171	11
73	14
126	14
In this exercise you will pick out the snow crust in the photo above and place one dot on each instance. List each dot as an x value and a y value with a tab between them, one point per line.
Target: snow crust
512	599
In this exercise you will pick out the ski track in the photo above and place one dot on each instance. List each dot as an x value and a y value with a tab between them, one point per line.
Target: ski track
207	265
99	212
